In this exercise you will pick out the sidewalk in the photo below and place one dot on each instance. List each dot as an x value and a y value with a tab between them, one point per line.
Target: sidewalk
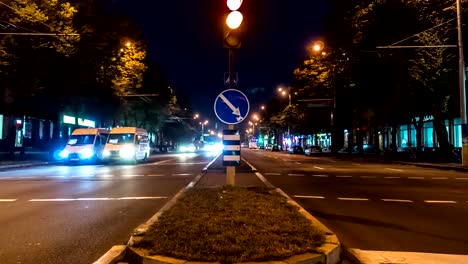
29	158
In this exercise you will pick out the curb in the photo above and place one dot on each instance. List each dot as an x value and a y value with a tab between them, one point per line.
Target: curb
432	166
329	252
24	165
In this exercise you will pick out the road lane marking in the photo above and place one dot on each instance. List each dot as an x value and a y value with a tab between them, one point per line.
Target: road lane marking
98	199
295	174
435	201
406	257
392	177
439	178
155	175
132	175
182	174
368	177
8	200
297	162
393	169
105	175
272	173
309	196
343	176
319	175
461	178
416	178
352	199
397	200
320	168
357	164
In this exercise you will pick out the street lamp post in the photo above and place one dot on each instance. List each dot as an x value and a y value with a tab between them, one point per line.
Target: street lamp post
462	88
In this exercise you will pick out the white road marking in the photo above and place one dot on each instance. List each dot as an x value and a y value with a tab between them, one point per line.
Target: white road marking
343	176
8	200
272	173
297	162
397	200
392	177
416	178
155	175
407	257
461	178
98	199
132	175
435	201
309	197
105	175
357	164
320	168
352	199
368	177
393	169
182	174
319	175
295	174
439	178
4	178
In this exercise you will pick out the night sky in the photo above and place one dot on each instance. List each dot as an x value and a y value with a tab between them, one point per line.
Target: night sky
185	39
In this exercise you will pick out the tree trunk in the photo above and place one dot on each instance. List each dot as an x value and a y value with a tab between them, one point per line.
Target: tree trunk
394	139
418	125
441	132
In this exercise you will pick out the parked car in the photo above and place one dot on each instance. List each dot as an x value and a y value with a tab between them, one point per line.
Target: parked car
312	149
296	150
275	148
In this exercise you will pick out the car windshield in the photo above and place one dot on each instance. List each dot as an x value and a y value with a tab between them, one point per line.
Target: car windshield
81	139
121	138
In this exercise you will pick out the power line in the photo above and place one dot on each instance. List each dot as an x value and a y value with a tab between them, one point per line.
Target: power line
17	11
16	26
39	34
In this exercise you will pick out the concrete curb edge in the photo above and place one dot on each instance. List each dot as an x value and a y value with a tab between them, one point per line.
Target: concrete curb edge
331	249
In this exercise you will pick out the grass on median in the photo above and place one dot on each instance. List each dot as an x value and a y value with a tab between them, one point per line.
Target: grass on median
231	224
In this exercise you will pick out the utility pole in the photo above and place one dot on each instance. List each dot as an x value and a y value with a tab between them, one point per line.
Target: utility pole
462	88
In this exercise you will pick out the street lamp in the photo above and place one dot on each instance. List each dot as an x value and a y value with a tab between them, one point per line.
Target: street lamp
203	129
284	93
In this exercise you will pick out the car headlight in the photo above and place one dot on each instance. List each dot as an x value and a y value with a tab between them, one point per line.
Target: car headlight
127	152
64	154
106	153
86	153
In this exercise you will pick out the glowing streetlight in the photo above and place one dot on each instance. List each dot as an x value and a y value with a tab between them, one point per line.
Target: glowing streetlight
318	46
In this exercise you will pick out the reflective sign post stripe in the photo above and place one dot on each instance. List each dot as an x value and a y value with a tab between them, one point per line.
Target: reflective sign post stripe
232	150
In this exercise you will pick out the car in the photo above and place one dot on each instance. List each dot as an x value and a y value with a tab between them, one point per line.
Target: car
312	149
275	148
296	150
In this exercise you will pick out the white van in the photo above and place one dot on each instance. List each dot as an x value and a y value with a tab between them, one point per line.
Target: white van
85	144
127	144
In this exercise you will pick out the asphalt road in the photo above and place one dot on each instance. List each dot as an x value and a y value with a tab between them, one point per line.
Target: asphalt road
372	206
74	214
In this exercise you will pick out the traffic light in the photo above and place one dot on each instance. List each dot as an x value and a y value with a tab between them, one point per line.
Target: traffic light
232	38
19	124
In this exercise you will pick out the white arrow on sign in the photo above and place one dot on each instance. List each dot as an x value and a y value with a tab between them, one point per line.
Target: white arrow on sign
235	110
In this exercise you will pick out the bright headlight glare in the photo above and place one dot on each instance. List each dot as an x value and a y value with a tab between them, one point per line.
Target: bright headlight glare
64	154
127	152
86	153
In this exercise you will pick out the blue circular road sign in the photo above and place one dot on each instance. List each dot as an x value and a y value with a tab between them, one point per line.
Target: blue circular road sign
231	106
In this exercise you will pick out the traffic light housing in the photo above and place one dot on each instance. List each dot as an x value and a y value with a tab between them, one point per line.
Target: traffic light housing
232	32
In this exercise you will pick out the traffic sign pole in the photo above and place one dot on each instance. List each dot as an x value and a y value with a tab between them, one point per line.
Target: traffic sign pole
231	170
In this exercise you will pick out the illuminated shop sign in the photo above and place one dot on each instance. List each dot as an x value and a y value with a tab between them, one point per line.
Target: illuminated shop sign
81	121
